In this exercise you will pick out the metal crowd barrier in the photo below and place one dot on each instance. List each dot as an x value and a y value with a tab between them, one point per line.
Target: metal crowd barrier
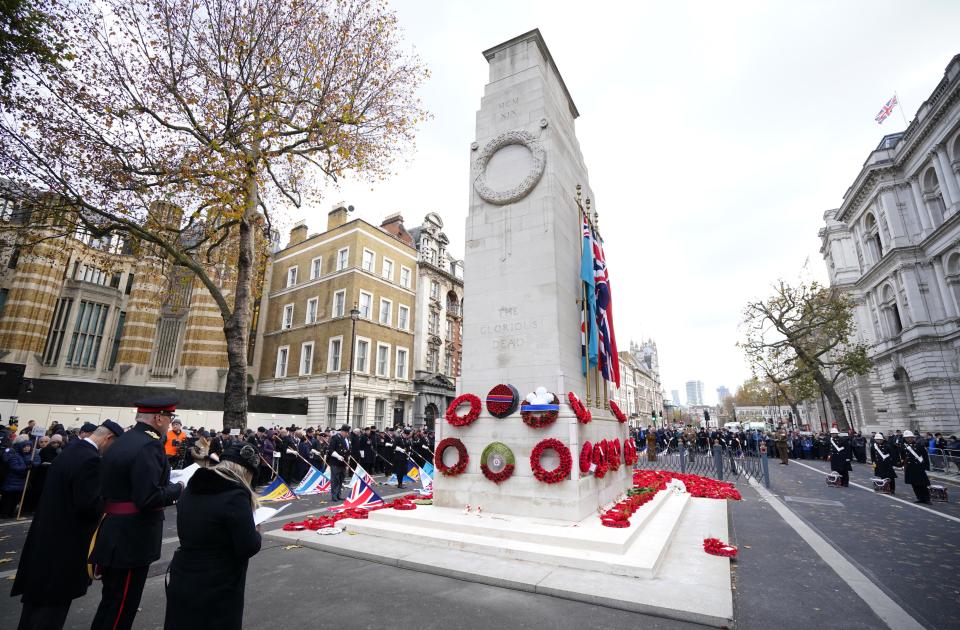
945	460
719	463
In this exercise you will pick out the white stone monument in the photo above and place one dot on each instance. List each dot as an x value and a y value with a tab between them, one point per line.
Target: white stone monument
522	289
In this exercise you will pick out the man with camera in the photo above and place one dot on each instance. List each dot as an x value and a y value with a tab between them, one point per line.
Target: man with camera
175	445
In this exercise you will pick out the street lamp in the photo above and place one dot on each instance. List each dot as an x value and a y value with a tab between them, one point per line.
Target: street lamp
354	314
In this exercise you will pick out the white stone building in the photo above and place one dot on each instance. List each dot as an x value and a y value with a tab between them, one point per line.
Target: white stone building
694	393
439	322
894	245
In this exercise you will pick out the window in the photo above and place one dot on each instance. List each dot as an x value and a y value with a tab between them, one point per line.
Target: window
434	323
402	363
312	305
383	360
403	317
287	317
358	410
379	411
51	354
316	268
332	411
339	302
7	208
405	277
93	275
433	360
292	276
116	341
343	256
283	353
366	305
449	330
363	351
448	364
87	335
387	269
129	284
386	311
369	261
434	290
14	258
333	354
4	293
306	358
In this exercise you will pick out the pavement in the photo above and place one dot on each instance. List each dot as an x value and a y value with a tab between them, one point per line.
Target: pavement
910	556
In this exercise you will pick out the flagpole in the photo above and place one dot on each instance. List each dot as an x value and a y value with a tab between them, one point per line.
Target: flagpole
902	115
585	339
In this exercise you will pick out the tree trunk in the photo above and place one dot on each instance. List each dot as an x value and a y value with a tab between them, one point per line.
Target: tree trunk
836	405
236	328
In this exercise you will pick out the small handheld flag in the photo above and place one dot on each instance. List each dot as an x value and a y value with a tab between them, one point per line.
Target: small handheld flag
361	496
360	473
314	482
426	481
278	490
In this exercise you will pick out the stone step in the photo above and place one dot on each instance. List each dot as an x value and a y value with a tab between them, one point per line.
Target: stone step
579	547
543	531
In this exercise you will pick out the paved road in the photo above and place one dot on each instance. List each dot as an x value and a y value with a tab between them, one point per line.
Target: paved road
780	581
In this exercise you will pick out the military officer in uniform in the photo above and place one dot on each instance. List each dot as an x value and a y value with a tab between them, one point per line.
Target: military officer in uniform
916	463
401	446
388	444
337	455
840	456
135	477
884	459
53	563
782	447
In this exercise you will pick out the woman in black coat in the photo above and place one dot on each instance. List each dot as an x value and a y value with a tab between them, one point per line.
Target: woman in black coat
208	573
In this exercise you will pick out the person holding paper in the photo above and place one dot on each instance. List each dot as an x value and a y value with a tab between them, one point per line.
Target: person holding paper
215	523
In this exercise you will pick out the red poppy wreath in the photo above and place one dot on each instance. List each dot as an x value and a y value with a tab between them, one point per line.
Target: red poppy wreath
582	413
615	408
462	457
558	474
502	400
586	457
464	399
540	409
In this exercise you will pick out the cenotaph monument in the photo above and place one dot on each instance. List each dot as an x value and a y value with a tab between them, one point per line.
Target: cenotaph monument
522	291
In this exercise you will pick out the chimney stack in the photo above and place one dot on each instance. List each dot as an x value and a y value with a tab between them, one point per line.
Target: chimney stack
298	233
338	216
393	224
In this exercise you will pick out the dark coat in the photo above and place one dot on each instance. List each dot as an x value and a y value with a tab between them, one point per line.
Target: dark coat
841	455
17	466
208	572
401	446
134	470
338	444
885	457
53	564
915	470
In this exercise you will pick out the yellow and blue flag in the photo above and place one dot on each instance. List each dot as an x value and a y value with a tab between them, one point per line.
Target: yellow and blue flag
278	490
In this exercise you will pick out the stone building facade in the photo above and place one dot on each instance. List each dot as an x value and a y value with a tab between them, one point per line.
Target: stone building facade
438	346
894	247
305	327
90	309
640	395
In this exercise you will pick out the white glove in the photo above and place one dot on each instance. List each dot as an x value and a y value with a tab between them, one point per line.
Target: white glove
388	443
276	454
338	456
291	451
314	452
400	450
361	454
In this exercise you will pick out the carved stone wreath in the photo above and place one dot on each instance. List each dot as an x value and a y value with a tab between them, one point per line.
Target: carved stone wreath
521	190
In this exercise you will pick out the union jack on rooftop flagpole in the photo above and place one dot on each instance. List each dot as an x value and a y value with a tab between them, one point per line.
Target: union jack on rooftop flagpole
887	109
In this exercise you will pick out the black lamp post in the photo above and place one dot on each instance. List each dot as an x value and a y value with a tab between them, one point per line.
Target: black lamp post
354	314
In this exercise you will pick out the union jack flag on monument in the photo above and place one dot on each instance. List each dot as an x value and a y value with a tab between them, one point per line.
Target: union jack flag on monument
609	358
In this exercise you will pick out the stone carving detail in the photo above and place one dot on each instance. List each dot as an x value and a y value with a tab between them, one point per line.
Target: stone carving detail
521	190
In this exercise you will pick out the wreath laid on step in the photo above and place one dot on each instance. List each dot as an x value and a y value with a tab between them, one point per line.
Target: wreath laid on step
558	474
495	455
464	399
462	457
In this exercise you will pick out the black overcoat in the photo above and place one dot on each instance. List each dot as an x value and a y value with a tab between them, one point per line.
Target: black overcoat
208	572
885	457
134	470
840	455
53	564
915	464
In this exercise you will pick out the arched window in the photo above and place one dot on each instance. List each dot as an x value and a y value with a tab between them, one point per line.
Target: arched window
872	234
453	304
890	311
953	276
903	381
932	196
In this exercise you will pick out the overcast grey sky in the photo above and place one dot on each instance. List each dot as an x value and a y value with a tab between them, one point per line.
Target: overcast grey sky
716	134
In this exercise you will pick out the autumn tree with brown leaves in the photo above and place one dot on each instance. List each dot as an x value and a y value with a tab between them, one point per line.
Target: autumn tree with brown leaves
186	125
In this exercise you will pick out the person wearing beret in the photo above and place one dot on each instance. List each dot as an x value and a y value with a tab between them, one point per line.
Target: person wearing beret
208	573
53	563
135	477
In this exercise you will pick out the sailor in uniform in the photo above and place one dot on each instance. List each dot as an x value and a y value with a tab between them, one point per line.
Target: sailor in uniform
916	463
840	457
884	459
